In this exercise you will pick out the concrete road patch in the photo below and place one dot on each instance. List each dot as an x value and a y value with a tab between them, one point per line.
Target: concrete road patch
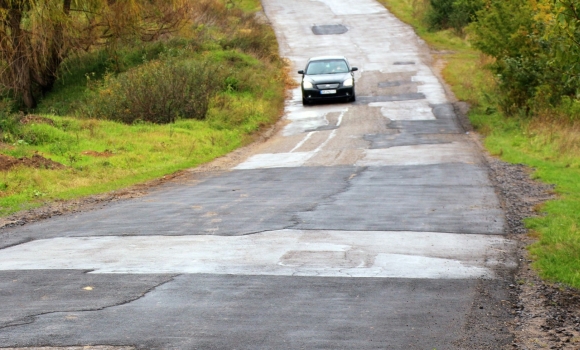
454	152
284	253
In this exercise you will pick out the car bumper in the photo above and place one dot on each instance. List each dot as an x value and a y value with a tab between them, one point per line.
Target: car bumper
315	94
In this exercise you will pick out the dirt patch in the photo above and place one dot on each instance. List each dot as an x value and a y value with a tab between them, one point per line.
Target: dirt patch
36	119
6	146
36	161
105	153
548	315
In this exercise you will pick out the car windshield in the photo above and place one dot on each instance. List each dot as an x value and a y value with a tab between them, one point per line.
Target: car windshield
326	67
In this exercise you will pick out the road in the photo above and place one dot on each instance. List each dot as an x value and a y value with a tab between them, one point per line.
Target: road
366	225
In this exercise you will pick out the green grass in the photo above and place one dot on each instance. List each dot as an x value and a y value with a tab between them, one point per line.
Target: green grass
139	153
551	148
252	98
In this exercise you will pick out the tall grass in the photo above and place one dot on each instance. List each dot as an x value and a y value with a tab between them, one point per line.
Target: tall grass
550	144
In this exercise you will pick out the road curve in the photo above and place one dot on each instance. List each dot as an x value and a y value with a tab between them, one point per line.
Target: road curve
366	225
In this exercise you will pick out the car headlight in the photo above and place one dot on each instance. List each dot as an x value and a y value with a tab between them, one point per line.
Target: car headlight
348	82
307	84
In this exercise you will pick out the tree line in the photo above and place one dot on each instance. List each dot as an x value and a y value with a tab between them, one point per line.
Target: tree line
37	36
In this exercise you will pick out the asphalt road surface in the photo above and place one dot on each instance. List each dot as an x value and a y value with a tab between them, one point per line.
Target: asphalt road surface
366	225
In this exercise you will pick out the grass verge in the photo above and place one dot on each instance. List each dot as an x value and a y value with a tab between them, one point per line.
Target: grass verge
102	155
551	148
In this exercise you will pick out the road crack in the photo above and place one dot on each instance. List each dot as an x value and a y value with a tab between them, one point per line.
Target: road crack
32	318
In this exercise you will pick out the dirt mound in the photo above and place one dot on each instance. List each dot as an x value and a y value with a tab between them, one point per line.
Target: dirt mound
6	146
36	161
105	153
36	119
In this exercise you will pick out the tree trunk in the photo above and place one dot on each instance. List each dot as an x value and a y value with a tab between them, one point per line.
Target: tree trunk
46	76
20	59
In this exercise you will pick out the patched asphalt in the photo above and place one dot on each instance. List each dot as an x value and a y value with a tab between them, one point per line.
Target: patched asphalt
245	312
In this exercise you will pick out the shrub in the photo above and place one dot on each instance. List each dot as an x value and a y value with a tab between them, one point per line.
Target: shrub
10	127
255	38
439	14
531	71
158	92
39	134
456	14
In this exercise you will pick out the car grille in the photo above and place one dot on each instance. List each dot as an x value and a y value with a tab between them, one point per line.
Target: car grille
327	86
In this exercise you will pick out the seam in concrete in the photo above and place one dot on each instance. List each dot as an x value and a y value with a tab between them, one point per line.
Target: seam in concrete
24	241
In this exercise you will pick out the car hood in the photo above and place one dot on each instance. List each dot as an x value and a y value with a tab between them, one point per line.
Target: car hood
328	78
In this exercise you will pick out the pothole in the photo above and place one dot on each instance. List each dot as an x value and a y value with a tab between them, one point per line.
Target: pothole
329	29
387	84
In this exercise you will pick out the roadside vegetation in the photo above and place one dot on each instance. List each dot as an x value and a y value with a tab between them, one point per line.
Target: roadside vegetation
114	96
516	63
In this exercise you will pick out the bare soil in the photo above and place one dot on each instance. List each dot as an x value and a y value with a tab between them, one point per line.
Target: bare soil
104	154
36	119
36	161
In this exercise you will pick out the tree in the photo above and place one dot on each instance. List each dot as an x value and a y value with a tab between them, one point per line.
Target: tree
36	36
536	45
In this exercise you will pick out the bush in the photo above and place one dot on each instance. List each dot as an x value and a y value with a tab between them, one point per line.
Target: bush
10	127
158	92
456	14
40	134
532	73
438	16
255	38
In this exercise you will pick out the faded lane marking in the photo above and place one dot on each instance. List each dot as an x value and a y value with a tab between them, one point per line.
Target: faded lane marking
292	158
307	118
275	160
284	253
302	141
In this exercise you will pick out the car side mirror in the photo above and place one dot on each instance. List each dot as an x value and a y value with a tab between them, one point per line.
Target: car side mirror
301	72
353	69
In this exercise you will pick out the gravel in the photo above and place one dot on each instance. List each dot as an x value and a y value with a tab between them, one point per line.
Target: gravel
547	316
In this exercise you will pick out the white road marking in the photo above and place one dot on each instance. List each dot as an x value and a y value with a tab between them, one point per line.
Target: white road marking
285	253
275	160
292	158
303	119
299	144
